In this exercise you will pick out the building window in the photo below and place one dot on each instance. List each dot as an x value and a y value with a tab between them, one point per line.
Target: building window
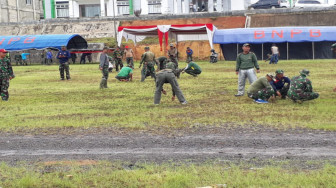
89	11
123	7
154	7
62	9
28	2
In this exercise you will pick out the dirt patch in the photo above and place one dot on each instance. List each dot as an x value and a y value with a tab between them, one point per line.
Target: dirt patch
195	144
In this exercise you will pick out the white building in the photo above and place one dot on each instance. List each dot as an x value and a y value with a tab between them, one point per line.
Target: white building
110	8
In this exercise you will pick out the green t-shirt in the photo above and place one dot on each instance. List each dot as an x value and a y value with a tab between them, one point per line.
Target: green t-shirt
125	71
193	66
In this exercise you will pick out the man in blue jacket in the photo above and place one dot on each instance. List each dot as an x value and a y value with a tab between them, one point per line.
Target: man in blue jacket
281	84
63	56
189	54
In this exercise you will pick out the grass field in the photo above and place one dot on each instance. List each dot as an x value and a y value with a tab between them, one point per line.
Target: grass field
38	99
105	174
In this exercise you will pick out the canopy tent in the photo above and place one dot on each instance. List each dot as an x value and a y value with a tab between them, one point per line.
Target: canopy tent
26	42
293	42
179	32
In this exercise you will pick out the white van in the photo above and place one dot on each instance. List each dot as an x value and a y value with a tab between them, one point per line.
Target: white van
310	4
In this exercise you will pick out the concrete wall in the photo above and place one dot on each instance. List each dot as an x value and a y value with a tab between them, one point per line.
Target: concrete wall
87	29
10	12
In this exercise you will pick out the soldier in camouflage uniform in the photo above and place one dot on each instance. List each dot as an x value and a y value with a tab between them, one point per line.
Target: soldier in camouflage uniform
167	75
262	89
172	54
6	74
301	89
149	61
161	62
117	55
104	67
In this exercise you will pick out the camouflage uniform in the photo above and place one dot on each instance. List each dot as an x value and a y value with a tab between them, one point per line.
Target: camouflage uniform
301	88
104	66
148	58
63	57
261	89
167	76
6	73
172	53
162	61
117	55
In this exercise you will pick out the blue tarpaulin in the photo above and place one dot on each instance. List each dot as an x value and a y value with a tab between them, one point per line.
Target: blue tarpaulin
25	42
275	35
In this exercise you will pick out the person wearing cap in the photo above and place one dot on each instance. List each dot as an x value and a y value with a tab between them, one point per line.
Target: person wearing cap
162	62
6	74
275	54
262	89
117	56
128	53
104	68
301	88
63	56
149	61
192	69
245	64
189	54
167	75
172	54
125	74
281	83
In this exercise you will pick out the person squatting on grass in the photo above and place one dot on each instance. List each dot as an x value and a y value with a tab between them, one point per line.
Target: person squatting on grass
104	67
245	63
281	84
262	89
63	56
192	69
301	88
6	74
148	59
125	74
167	75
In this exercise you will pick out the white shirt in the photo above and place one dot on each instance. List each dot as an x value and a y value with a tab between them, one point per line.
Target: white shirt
275	50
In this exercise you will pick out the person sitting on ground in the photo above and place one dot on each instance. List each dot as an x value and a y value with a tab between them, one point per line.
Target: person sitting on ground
281	84
192	69
125	74
262	89
301	88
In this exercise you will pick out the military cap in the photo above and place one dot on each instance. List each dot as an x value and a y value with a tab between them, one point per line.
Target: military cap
305	72
246	44
171	44
270	75
279	71
147	48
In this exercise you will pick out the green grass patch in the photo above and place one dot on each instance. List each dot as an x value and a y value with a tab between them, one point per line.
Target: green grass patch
38	99
106	174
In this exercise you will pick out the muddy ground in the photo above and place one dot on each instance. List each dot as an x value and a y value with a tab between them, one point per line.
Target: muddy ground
197	144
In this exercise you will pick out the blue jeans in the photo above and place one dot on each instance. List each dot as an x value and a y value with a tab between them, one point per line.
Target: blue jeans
274	59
